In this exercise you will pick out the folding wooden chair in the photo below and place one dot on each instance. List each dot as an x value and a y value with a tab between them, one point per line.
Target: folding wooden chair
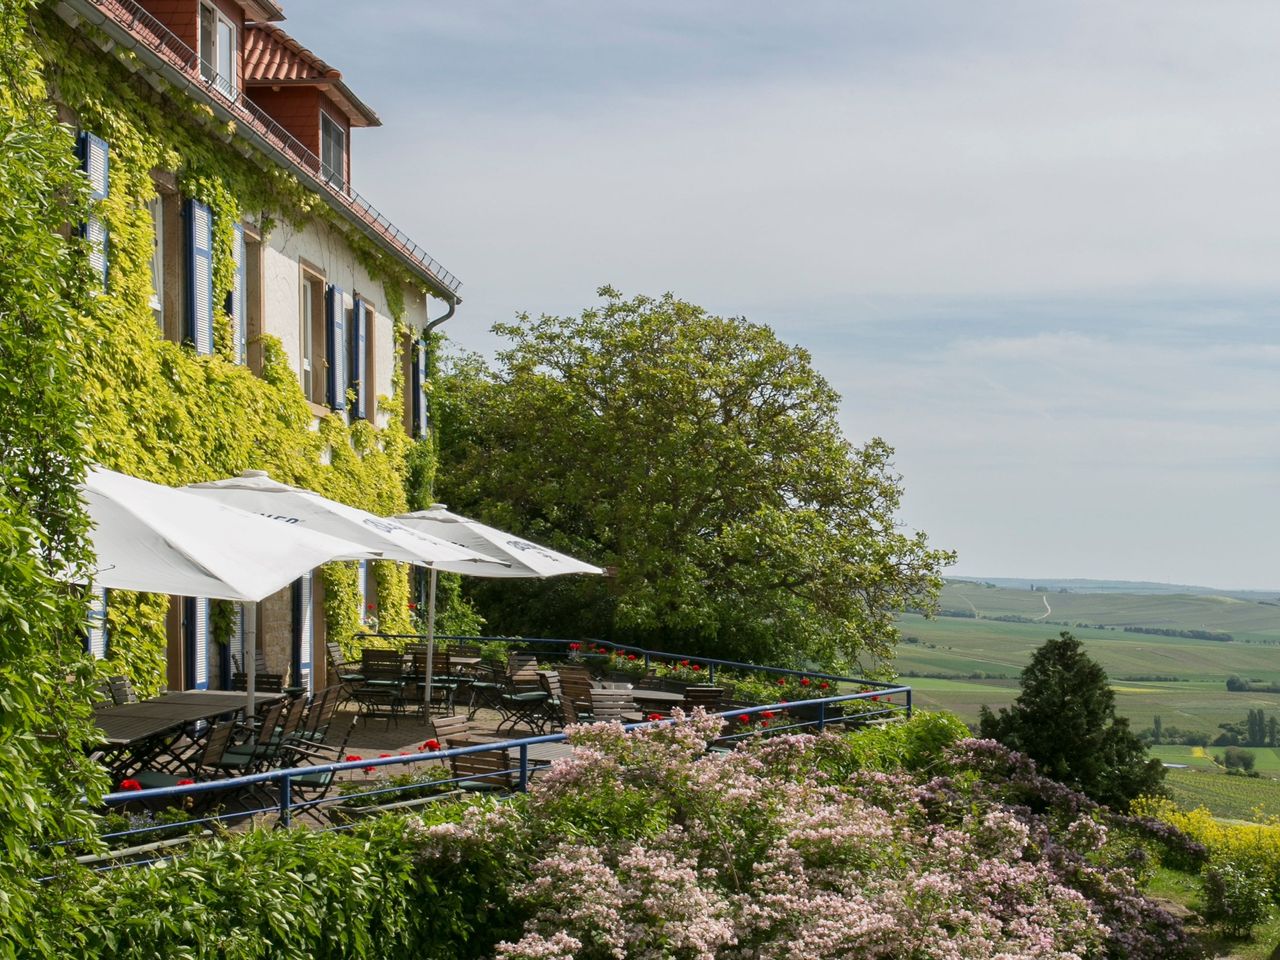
614	703
482	772
707	697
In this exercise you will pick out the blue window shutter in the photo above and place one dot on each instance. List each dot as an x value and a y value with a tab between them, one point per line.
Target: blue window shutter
336	344
358	325
420	419
236	308
96	638
95	160
200	276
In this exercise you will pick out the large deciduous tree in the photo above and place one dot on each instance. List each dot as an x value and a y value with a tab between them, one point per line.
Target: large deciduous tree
1065	720
701	457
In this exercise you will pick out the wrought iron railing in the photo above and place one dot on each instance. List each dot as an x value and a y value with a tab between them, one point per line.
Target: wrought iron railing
146	29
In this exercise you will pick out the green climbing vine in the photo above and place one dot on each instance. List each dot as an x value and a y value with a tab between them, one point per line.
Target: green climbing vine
159	411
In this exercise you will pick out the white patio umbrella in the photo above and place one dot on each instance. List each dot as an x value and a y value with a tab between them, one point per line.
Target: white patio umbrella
153	538
256	492
524	558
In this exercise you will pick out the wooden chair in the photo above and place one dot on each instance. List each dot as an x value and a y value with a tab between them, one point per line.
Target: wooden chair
559	707
320	714
576	688
122	690
707	697
262	683
381	690
448	729
486	771
310	789
525	700
614	703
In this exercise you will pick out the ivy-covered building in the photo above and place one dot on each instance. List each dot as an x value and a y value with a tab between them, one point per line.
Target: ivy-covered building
255	311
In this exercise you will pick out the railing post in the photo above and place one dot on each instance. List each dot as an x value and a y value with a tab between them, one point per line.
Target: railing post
524	767
646	662
822	717
285	800
711	673
908	702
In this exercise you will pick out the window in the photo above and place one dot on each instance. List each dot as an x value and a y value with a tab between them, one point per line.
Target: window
333	150
218	49
313	367
253	298
155	207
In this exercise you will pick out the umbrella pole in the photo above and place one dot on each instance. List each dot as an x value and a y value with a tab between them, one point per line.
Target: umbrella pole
250	660
431	634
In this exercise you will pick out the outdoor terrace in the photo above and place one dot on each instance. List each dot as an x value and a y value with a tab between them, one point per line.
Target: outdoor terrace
128	24
495	720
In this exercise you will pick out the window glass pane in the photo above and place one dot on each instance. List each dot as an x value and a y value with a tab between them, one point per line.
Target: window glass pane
208	27
306	339
155	208
332	149
226	56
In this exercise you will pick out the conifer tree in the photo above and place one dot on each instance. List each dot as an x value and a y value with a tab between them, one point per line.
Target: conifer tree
1065	720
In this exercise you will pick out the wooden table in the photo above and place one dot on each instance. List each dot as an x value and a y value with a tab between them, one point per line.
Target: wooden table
137	733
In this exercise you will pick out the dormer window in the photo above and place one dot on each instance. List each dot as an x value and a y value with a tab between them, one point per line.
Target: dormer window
333	150
218	48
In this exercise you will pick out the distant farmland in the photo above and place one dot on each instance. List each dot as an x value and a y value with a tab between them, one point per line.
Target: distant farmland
968	661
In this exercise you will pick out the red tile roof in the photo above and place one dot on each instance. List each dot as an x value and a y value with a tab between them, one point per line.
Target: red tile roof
272	58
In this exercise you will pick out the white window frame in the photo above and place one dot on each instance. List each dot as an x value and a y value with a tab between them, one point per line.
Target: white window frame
338	176
209	68
155	206
310	353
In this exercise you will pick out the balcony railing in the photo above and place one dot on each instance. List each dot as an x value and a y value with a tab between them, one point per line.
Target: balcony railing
159	39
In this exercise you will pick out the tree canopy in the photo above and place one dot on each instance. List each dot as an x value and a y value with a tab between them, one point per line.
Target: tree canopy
702	458
1065	720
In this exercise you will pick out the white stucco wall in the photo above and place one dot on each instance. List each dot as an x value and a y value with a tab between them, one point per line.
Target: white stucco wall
317	247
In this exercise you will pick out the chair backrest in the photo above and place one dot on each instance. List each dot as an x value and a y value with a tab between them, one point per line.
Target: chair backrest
576	688
122	690
612	703
216	744
378	664
262	683
320	714
522	671
270	720
492	767
449	729
703	696
464	649
563	709
297	708
336	656
577	670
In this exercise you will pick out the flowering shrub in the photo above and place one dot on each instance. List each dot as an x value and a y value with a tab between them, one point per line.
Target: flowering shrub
645	846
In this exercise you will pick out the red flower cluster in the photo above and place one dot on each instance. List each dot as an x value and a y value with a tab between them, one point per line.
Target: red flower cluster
412	605
368	606
130	785
768	714
684	663
655	716
431	746
805	681
696	666
824	685
631	656
744	718
782	681
575	647
185	782
353	757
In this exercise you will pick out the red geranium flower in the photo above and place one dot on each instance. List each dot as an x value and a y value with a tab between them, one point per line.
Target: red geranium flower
697	666
352	758
381	755
768	714
575	646
431	746
744	718
805	681
782	681
824	685
764	723
631	656
876	699
413	606
130	785
368	606
655	716
684	663
185	782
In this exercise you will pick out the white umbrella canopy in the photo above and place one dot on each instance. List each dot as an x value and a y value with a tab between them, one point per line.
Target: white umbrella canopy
157	539
256	492
524	558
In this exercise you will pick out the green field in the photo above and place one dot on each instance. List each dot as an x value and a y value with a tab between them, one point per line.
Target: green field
1254	620
1232	798
1197	758
961	663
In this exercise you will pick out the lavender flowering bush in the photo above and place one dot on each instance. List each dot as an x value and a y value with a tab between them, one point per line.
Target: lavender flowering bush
798	848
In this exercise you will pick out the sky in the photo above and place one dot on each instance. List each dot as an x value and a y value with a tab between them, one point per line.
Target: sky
1035	246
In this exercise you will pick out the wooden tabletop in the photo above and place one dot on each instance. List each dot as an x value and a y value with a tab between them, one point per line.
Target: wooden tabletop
126	723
